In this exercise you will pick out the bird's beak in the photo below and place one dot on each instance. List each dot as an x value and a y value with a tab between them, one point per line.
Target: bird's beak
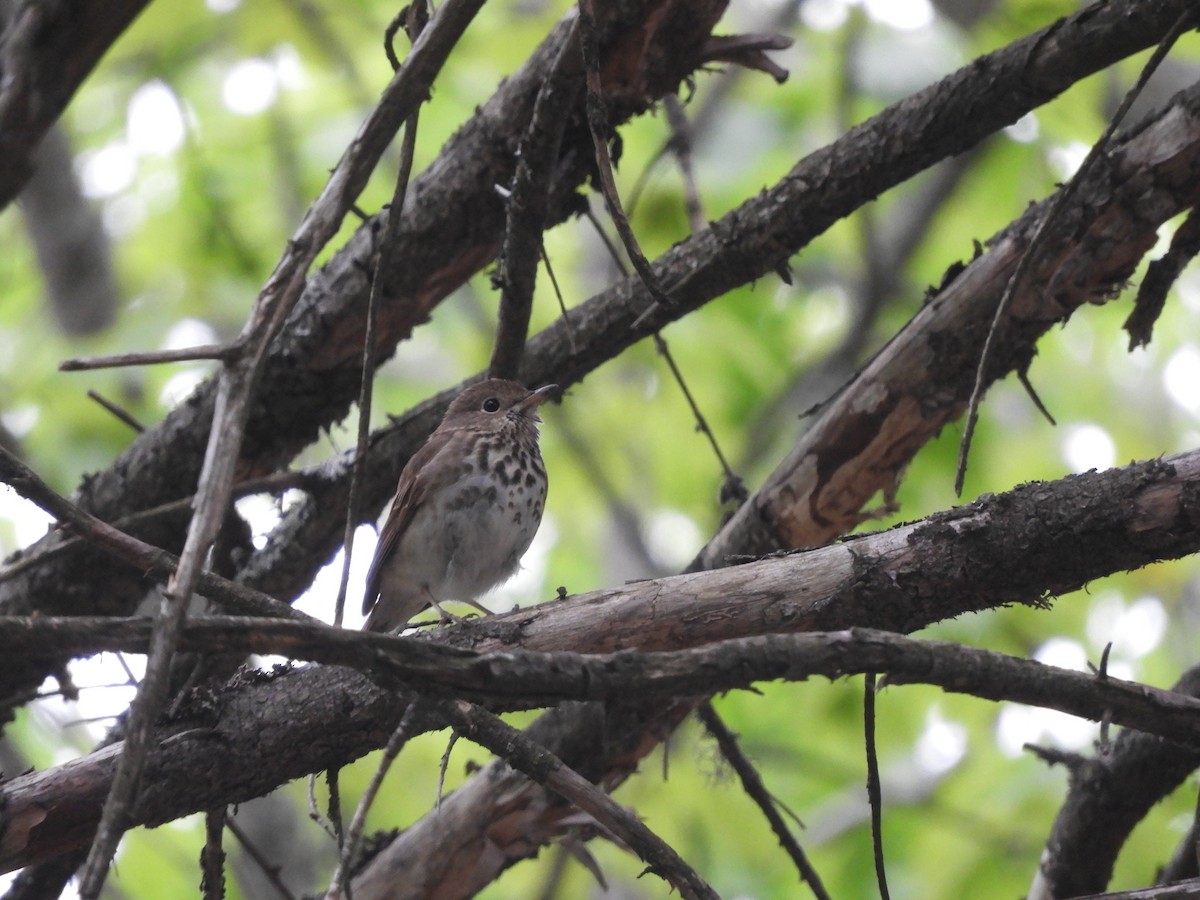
529	405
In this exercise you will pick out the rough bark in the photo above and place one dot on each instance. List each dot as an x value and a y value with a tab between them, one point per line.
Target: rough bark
1109	794
263	730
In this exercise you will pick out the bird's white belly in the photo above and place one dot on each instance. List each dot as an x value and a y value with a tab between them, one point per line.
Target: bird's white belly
472	540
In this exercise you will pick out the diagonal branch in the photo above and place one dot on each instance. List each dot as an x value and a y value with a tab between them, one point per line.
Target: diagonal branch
543	767
48	49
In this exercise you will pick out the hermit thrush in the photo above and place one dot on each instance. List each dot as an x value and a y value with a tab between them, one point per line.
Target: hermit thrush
466	509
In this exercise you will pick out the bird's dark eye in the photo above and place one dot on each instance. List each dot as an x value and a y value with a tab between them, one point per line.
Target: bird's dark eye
491	404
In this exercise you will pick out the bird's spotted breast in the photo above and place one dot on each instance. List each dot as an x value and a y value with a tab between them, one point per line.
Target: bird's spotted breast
477	501
472	495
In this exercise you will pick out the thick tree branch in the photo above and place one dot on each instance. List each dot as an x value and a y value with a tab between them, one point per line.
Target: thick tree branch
43	806
521	679
46	52
1063	533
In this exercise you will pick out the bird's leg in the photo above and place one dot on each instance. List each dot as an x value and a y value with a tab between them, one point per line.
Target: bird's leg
447	617
479	606
451	617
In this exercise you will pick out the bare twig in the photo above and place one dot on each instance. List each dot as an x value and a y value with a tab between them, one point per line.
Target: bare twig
444	767
270	871
681	145
121	414
1033	250
405	730
874	796
752	784
562	306
1160	275
276	482
335	807
597	116
417	15
220	352
152	560
314	809
733	487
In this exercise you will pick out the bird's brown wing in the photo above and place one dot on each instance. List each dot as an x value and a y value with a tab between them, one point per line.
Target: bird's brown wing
411	492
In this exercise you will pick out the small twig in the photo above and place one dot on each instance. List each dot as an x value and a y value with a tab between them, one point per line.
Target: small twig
1030	257
597	116
212	857
411	19
444	767
73	694
623	515
543	767
1023	377
340	884
220	352
416	15
270	872
120	413
1106	720
314	809
733	487
1053	756
752	784
334	808
874	795
1102	671
681	146
562	306
613	252
130	678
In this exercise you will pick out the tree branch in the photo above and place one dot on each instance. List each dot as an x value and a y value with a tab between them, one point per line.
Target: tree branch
1109	794
1142	512
49	48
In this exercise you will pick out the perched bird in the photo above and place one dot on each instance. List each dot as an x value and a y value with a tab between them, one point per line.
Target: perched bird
467	506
